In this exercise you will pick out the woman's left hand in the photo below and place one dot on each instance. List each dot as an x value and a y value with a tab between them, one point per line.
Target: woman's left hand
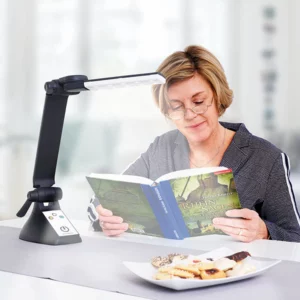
243	224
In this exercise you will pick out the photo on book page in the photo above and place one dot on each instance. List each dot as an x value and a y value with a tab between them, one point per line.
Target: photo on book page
180	272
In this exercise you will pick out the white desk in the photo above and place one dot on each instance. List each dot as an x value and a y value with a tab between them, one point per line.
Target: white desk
35	288
16	286
260	248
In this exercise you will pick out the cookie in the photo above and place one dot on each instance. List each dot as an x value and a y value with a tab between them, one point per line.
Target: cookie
163	276
224	264
181	273
205	265
159	261
165	269
212	274
176	257
189	268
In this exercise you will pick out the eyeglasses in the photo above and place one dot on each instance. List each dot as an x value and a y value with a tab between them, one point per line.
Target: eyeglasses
198	109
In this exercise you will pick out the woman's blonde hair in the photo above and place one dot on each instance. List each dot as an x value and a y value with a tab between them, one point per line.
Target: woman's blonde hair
182	65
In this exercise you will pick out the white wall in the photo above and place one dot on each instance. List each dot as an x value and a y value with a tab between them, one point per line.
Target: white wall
48	39
292	116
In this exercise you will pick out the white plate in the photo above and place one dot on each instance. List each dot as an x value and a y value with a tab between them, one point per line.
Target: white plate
146	271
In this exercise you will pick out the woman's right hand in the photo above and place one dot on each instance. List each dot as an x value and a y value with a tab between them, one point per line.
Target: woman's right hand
111	225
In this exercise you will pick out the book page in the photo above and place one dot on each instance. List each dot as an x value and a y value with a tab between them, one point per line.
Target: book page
189	172
123	178
202	197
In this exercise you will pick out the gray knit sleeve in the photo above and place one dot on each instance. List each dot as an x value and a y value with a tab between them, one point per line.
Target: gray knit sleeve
279	209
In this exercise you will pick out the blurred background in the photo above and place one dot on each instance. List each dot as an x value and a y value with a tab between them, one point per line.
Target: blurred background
257	42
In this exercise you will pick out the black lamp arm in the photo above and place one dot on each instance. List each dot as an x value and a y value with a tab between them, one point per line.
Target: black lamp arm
57	93
49	140
51	128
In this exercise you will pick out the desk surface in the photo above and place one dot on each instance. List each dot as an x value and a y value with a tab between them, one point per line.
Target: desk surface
261	248
36	288
15	286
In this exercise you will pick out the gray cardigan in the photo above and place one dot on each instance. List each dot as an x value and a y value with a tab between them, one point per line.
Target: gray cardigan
261	173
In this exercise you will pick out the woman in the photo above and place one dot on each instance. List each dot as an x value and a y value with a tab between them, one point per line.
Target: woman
195	95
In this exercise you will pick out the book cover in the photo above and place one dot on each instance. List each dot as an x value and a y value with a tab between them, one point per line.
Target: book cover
128	200
200	198
177	205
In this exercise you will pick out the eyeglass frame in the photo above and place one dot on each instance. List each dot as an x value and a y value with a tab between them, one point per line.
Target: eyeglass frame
192	109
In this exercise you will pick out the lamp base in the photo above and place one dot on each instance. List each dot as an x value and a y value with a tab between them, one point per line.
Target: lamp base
48	225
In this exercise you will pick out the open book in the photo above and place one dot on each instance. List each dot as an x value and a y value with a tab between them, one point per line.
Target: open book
177	205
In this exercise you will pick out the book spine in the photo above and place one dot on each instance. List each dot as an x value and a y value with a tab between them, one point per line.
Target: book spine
169	214
174	208
160	211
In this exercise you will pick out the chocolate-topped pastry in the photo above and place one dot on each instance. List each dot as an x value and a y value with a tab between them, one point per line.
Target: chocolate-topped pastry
239	256
225	263
159	261
176	257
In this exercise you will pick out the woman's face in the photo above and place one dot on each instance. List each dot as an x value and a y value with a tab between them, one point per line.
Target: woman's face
197	128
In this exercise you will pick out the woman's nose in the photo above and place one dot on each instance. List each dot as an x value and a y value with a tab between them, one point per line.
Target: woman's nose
189	114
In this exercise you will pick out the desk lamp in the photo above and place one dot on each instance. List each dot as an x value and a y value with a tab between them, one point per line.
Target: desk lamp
47	224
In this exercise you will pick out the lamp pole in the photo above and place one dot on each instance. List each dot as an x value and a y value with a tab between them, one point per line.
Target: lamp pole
47	224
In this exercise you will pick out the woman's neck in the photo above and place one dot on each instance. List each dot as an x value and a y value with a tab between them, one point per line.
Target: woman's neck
210	152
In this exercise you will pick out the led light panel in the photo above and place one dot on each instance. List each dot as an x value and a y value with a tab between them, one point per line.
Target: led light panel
124	81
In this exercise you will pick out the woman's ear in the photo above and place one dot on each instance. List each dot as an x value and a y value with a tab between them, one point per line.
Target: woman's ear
221	109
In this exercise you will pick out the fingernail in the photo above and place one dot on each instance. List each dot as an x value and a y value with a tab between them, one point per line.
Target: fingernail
216	221
125	226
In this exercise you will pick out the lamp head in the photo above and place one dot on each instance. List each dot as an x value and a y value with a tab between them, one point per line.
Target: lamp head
72	85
